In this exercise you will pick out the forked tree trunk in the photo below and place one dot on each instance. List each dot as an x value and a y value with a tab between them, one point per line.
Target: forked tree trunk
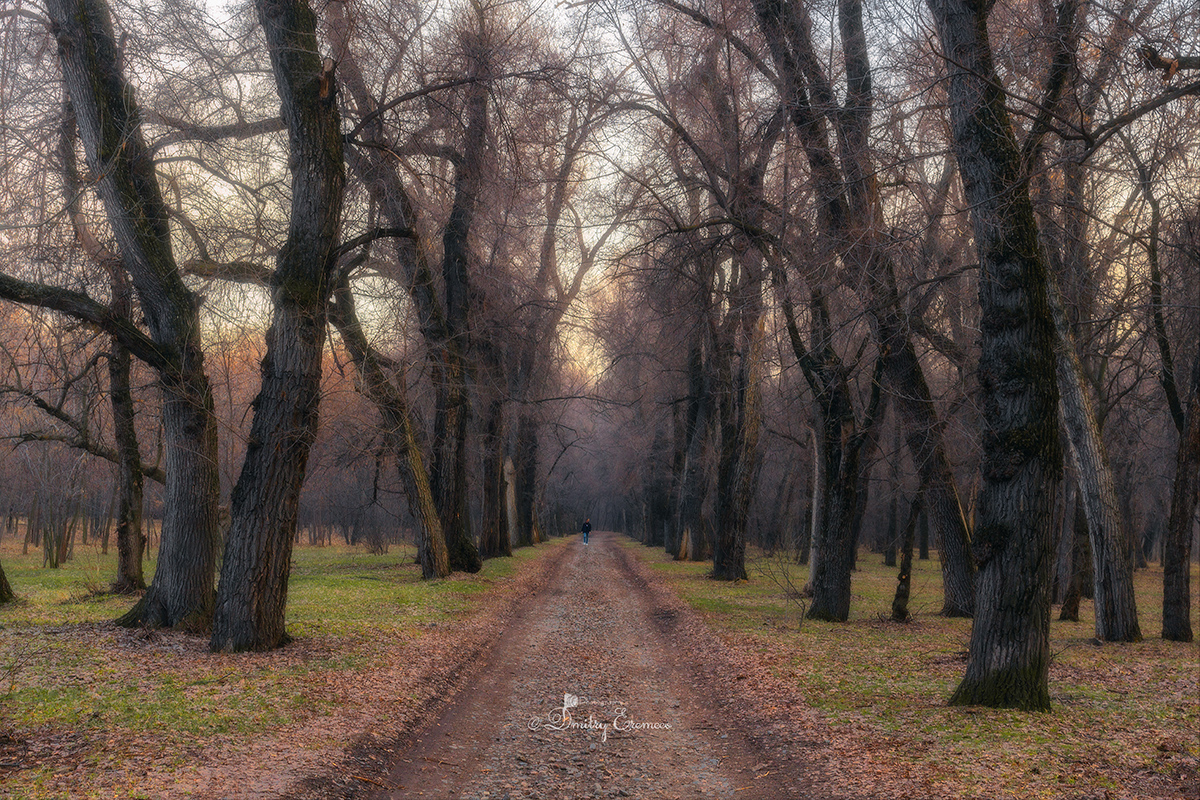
1116	607
850	212
445	330
831	560
1009	657
1177	550
181	594
255	572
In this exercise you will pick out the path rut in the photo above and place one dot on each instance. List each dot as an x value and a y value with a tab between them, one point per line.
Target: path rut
587	695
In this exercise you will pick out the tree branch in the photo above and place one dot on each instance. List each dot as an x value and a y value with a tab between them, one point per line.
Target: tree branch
81	307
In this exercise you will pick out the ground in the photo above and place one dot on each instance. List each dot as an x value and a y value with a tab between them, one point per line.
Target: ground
605	670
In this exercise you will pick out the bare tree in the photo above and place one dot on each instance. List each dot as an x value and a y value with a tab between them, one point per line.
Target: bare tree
181	594
257	564
1010	649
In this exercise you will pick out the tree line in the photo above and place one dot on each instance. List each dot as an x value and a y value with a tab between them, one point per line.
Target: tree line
701	267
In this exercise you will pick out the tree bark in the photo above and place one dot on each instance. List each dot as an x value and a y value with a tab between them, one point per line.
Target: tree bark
181	594
390	398
737	467
494	538
904	579
1009	656
525	466
695	477
131	542
1081	566
1177	550
252	595
1116	607
831	562
850	213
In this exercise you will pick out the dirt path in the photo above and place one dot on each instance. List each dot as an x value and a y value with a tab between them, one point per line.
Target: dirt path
646	724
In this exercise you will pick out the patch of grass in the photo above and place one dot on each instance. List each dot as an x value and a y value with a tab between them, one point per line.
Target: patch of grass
1119	710
65	668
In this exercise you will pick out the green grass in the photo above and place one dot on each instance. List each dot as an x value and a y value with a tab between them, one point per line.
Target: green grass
1114	705
63	667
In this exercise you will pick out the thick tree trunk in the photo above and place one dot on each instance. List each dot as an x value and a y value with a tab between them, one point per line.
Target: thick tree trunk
1116	607
1009	656
181	594
741	421
831	560
450	475
1177	550
258	552
729	539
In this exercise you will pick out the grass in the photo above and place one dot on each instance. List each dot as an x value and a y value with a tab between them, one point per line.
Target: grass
1122	712
65	669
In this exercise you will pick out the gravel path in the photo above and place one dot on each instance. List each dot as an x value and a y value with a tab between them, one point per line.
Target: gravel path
640	722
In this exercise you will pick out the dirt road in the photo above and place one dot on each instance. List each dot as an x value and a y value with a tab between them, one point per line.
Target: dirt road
586	695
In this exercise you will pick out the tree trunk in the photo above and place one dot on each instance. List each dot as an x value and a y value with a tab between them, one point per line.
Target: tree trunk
1009	656
893	530
740	424
445	331
6	592
494	538
831	560
1116	607
695	477
181	594
252	600
390	398
526	465
1081	566
1177	550
904	580
131	542
850	213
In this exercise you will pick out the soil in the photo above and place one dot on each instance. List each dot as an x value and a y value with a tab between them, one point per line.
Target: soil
592	691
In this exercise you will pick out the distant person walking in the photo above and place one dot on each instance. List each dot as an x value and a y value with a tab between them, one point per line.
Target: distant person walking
586	529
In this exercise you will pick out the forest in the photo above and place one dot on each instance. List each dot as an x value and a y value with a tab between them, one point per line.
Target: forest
816	281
